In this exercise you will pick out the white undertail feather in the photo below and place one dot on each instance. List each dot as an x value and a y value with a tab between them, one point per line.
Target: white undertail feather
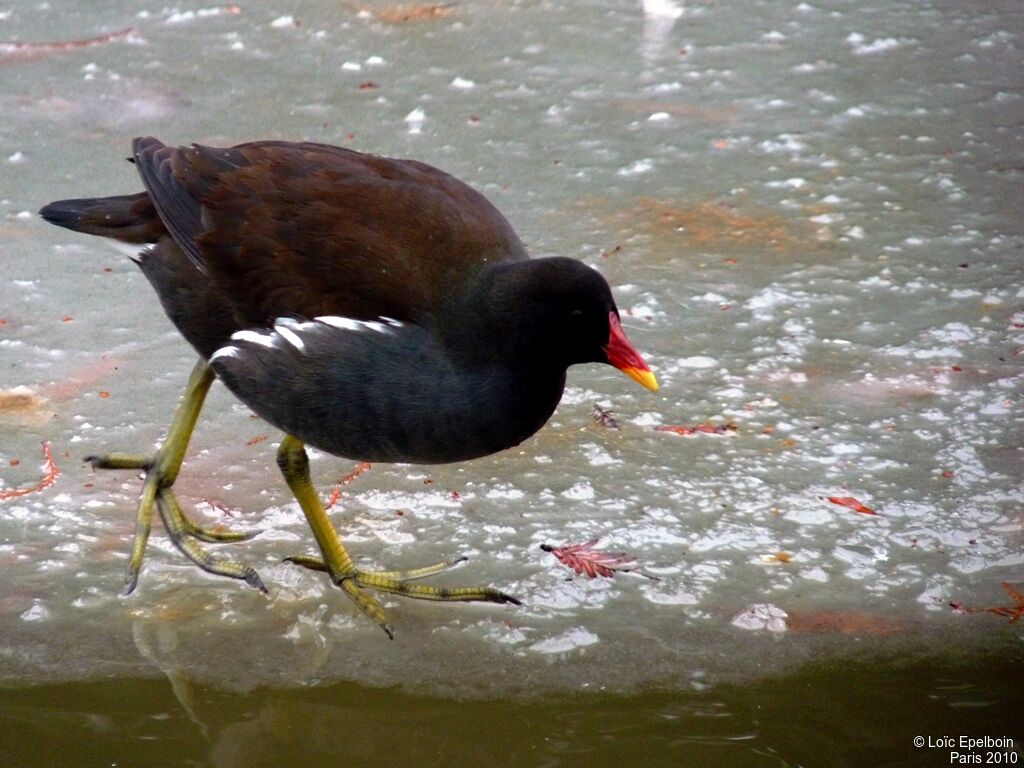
224	352
133	251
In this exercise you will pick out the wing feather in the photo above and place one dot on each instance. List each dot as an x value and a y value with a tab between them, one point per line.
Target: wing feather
307	229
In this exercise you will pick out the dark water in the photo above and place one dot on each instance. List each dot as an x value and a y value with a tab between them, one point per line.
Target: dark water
839	712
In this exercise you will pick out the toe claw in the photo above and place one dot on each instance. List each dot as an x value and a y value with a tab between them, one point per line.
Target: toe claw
253	580
130	582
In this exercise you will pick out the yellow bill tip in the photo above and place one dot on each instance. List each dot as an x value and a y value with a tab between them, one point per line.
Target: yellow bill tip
644	377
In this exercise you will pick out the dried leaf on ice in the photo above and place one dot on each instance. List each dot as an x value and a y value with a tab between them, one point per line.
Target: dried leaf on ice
586	560
1014	612
604	417
399	14
699	429
27	50
852	503
52	473
336	491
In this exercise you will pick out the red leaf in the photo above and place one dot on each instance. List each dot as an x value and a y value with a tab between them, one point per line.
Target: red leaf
586	560
852	503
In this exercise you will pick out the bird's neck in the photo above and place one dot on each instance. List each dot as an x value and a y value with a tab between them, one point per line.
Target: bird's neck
495	305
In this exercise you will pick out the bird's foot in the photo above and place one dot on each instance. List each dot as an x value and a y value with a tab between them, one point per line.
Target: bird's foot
161	470
354	581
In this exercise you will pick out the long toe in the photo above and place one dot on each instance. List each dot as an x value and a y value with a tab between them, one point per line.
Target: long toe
367	604
119	461
178	531
383	582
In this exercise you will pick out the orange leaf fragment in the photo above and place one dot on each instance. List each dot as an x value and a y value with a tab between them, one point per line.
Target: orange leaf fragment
345	480
399	14
1014	612
27	50
698	429
852	503
52	473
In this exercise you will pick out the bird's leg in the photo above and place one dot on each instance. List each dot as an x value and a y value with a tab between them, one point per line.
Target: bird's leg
161	471
338	564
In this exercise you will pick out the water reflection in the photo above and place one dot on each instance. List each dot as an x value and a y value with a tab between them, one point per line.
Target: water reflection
798	719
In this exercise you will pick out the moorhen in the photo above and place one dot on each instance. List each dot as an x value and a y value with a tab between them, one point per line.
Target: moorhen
377	309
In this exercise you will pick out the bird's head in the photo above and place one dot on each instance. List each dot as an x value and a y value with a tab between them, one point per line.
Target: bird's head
565	313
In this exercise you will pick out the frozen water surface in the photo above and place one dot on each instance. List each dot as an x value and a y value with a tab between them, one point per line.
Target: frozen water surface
810	213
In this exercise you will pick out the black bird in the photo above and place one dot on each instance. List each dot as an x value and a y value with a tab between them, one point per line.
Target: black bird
377	309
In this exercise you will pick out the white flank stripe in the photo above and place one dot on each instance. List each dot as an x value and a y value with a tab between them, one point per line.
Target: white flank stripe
384	325
291	337
264	339
295	325
345	323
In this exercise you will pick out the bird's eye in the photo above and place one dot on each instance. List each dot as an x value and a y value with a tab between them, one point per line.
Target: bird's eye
576	316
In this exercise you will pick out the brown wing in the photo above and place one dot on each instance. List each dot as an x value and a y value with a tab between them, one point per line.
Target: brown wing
308	229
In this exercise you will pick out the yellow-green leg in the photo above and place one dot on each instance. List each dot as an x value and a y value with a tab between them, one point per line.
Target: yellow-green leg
336	562
161	471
